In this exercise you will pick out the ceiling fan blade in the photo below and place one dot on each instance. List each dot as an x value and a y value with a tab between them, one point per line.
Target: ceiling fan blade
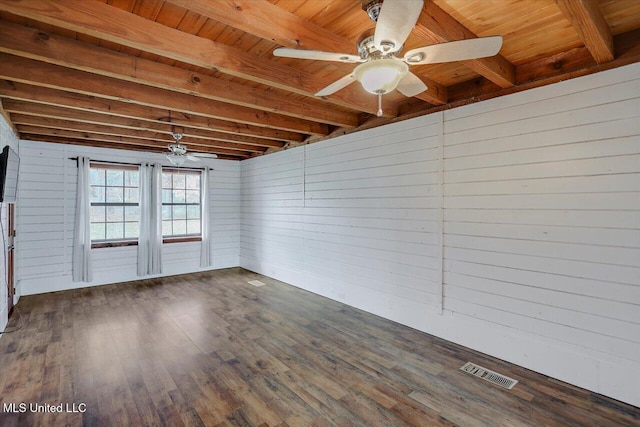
205	155
337	85
316	54
455	51
397	19
411	85
192	158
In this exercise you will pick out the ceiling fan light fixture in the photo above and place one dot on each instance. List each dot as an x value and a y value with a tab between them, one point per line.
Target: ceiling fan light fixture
175	159
380	76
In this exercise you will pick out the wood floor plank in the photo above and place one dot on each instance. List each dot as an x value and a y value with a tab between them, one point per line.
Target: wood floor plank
208	349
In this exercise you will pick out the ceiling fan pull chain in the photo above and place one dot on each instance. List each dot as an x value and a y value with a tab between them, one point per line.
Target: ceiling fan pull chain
379	113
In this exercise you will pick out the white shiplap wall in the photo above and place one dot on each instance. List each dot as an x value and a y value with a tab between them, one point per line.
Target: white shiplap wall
371	212
355	210
272	227
47	194
541	226
7	137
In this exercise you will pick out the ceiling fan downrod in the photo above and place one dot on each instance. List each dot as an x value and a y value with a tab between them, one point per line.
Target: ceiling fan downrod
177	134
372	7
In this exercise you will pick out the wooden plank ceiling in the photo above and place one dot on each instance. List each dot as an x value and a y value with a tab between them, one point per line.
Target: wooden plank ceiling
120	73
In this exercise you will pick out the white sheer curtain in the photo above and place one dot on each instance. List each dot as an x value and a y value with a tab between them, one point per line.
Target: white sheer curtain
150	236
156	220
205	245
82	271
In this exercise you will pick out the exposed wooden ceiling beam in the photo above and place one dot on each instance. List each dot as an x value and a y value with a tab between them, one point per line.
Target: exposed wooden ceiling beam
579	61
269	22
543	71
82	102
34	72
88	108
437	26
54	112
25	119
435	94
289	30
109	144
104	138
588	21
7	119
118	26
36	44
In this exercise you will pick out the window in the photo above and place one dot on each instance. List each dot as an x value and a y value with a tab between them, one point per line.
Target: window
180	203
115	197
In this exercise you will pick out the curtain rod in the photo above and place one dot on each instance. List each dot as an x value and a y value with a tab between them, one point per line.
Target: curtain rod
134	164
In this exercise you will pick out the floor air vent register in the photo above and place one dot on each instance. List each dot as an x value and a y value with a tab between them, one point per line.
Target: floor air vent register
489	375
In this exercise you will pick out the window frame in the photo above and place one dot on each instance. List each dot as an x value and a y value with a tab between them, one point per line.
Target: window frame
184	237
128	241
95	244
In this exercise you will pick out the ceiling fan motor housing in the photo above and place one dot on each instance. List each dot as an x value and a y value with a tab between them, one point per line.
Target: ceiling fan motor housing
178	149
368	49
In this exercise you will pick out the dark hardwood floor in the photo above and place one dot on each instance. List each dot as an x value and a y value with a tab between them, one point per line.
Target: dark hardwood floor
210	349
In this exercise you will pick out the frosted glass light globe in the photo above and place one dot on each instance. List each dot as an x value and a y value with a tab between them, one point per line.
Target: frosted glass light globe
176	160
380	76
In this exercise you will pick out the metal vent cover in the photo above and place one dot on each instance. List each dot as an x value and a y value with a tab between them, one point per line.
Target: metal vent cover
489	375
256	283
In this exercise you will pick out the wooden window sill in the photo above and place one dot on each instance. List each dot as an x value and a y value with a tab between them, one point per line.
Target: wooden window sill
114	244
181	239
135	242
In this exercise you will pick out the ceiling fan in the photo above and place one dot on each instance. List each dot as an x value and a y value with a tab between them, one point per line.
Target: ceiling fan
381	70
178	153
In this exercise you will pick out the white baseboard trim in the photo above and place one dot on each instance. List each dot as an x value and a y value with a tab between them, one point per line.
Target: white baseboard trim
64	283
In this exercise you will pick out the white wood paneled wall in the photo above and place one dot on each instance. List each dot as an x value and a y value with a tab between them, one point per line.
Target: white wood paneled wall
542	224
46	210
542	210
271	230
355	210
541	231
7	137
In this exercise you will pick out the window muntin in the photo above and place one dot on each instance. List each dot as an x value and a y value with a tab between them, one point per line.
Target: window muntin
180	203
115	202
